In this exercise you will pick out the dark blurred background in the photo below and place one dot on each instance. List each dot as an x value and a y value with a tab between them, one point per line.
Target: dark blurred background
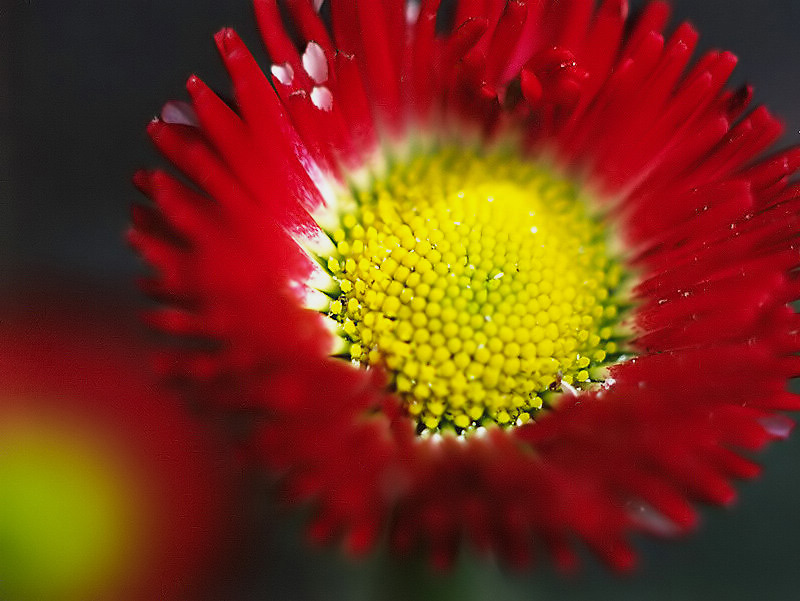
79	80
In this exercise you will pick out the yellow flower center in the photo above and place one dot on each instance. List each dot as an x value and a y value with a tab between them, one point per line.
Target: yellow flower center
479	282
70	517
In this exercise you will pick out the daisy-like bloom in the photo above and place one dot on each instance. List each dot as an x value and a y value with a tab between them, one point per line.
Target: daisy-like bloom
511	275
107	489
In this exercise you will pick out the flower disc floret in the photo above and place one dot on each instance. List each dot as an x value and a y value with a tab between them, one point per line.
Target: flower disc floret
480	281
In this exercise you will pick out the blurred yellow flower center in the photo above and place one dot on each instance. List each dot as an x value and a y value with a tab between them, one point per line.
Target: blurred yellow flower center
68	523
479	282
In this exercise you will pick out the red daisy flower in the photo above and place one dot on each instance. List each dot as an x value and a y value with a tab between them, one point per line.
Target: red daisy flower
512	274
107	491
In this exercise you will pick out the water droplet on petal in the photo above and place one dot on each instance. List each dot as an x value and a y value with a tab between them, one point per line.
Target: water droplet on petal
315	63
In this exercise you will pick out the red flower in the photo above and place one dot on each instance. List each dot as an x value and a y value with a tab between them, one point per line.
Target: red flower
646	331
107	489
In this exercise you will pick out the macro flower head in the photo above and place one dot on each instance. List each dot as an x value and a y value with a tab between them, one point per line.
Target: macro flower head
508	274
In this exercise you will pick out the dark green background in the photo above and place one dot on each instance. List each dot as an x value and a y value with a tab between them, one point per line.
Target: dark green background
79	79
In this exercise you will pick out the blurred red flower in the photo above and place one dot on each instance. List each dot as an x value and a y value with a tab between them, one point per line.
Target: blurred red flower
108	490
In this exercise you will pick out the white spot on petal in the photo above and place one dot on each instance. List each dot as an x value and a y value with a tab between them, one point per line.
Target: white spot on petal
315	300
322	98
568	388
777	426
652	520
180	113
318	4
283	73
412	12
315	63
338	345
320	280
317	243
